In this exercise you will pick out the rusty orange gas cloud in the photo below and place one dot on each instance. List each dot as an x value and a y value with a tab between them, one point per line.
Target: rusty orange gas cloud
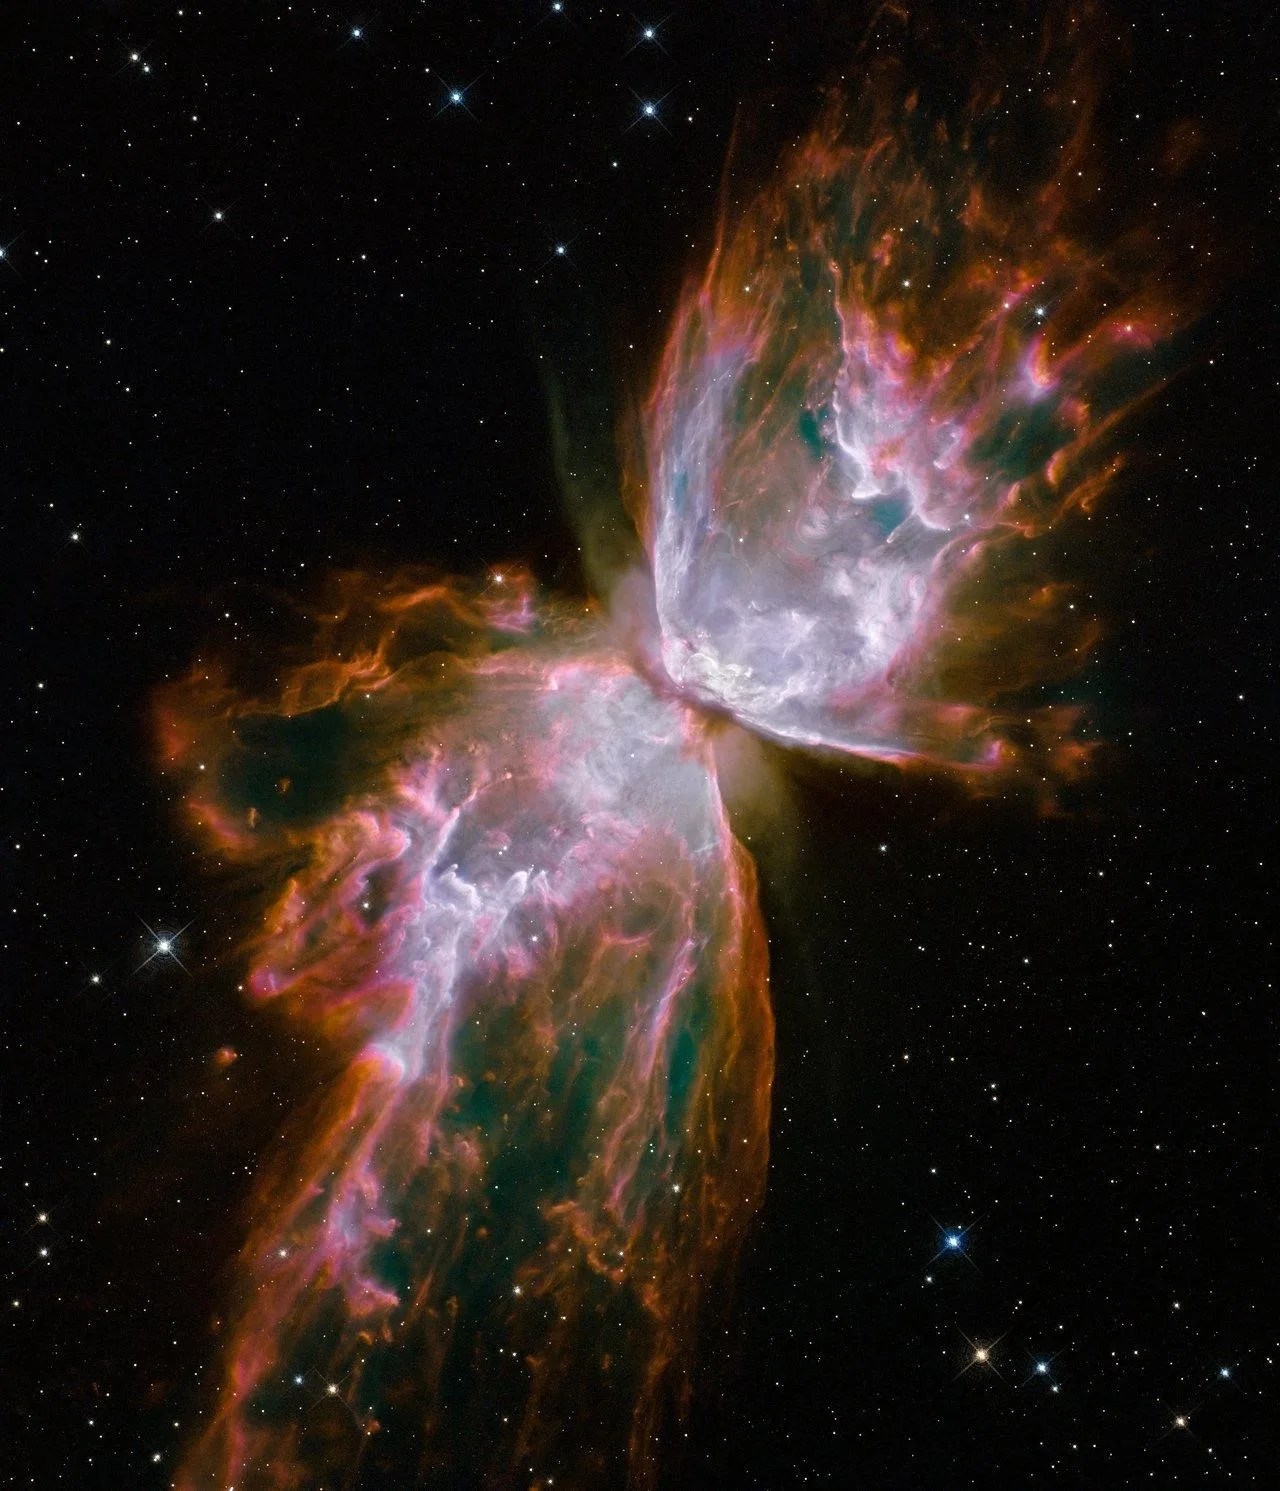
501	888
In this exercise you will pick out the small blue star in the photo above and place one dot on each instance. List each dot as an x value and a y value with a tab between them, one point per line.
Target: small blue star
456	97
649	109
648	35
953	1241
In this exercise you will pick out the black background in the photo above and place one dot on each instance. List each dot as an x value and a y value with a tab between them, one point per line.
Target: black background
1057	1033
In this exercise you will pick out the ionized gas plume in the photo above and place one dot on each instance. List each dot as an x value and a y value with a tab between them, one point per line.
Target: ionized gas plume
501	887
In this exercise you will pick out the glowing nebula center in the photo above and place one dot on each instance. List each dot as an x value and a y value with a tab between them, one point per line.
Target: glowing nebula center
498	884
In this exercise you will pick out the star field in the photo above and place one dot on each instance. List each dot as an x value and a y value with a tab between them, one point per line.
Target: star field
309	288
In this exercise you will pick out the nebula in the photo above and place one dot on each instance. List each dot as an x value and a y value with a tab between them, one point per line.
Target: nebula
889	383
498	881
531	935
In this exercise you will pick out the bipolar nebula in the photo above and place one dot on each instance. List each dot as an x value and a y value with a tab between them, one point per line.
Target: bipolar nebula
497	880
